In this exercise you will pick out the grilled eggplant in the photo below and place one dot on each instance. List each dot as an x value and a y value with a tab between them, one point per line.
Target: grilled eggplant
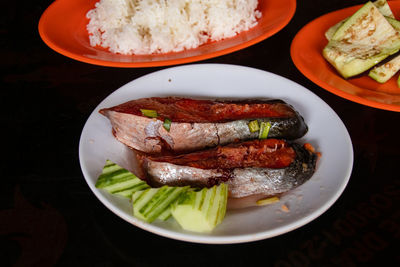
381	5
257	167
362	41
159	124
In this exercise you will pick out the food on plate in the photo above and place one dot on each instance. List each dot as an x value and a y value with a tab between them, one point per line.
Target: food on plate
361	42
177	124
201	211
259	167
198	210
117	180
382	6
195	156
384	72
149	26
153	203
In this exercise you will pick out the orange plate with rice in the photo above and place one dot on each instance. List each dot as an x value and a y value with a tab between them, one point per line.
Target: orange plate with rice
71	39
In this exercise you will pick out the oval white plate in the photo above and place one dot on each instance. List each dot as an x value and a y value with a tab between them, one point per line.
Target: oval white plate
326	133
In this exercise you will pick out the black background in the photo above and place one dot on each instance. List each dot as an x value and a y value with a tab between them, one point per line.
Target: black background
49	217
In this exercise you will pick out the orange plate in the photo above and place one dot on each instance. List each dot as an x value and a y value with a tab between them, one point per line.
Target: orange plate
306	52
63	28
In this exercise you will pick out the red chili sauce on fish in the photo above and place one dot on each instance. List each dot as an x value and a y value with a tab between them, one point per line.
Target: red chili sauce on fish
266	153
201	111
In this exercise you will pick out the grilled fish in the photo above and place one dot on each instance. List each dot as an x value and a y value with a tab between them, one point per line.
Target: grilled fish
198	124
267	167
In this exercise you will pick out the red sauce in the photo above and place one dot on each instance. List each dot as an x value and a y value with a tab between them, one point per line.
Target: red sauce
191	110
267	153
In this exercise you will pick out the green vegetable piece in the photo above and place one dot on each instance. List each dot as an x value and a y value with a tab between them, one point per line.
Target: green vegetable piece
382	6
149	113
149	204
203	210
354	49
267	201
167	124
254	126
398	81
117	180
165	215
264	130
394	22
385	71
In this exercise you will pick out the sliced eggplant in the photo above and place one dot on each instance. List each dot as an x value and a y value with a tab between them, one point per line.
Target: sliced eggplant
361	42
384	72
398	81
382	6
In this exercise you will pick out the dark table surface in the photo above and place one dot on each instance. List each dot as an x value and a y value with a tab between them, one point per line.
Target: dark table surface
50	217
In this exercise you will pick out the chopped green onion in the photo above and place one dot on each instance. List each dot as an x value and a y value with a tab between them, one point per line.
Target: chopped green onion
149	113
167	124
253	126
267	201
264	130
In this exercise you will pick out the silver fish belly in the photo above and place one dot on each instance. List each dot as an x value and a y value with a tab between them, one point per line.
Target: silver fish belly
148	135
242	182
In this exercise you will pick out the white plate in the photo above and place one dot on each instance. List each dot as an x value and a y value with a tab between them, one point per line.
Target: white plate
326	133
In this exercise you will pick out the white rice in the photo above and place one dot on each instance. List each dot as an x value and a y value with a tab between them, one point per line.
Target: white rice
161	26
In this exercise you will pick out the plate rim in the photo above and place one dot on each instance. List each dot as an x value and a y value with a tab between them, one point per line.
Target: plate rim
106	63
241	238
309	74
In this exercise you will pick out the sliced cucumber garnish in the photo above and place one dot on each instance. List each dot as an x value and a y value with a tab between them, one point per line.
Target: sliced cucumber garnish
149	204
203	210
199	211
117	180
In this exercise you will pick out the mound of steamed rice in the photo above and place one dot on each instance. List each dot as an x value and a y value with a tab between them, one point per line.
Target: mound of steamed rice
161	26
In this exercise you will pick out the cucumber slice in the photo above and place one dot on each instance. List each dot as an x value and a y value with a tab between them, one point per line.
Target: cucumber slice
365	39
203	210
165	215
149	204
117	180
381	5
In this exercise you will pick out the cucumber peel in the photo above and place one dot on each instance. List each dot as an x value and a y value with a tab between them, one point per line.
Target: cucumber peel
199	211
150	204
117	180
203	210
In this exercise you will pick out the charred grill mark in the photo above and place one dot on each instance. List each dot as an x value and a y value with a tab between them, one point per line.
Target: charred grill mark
226	174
